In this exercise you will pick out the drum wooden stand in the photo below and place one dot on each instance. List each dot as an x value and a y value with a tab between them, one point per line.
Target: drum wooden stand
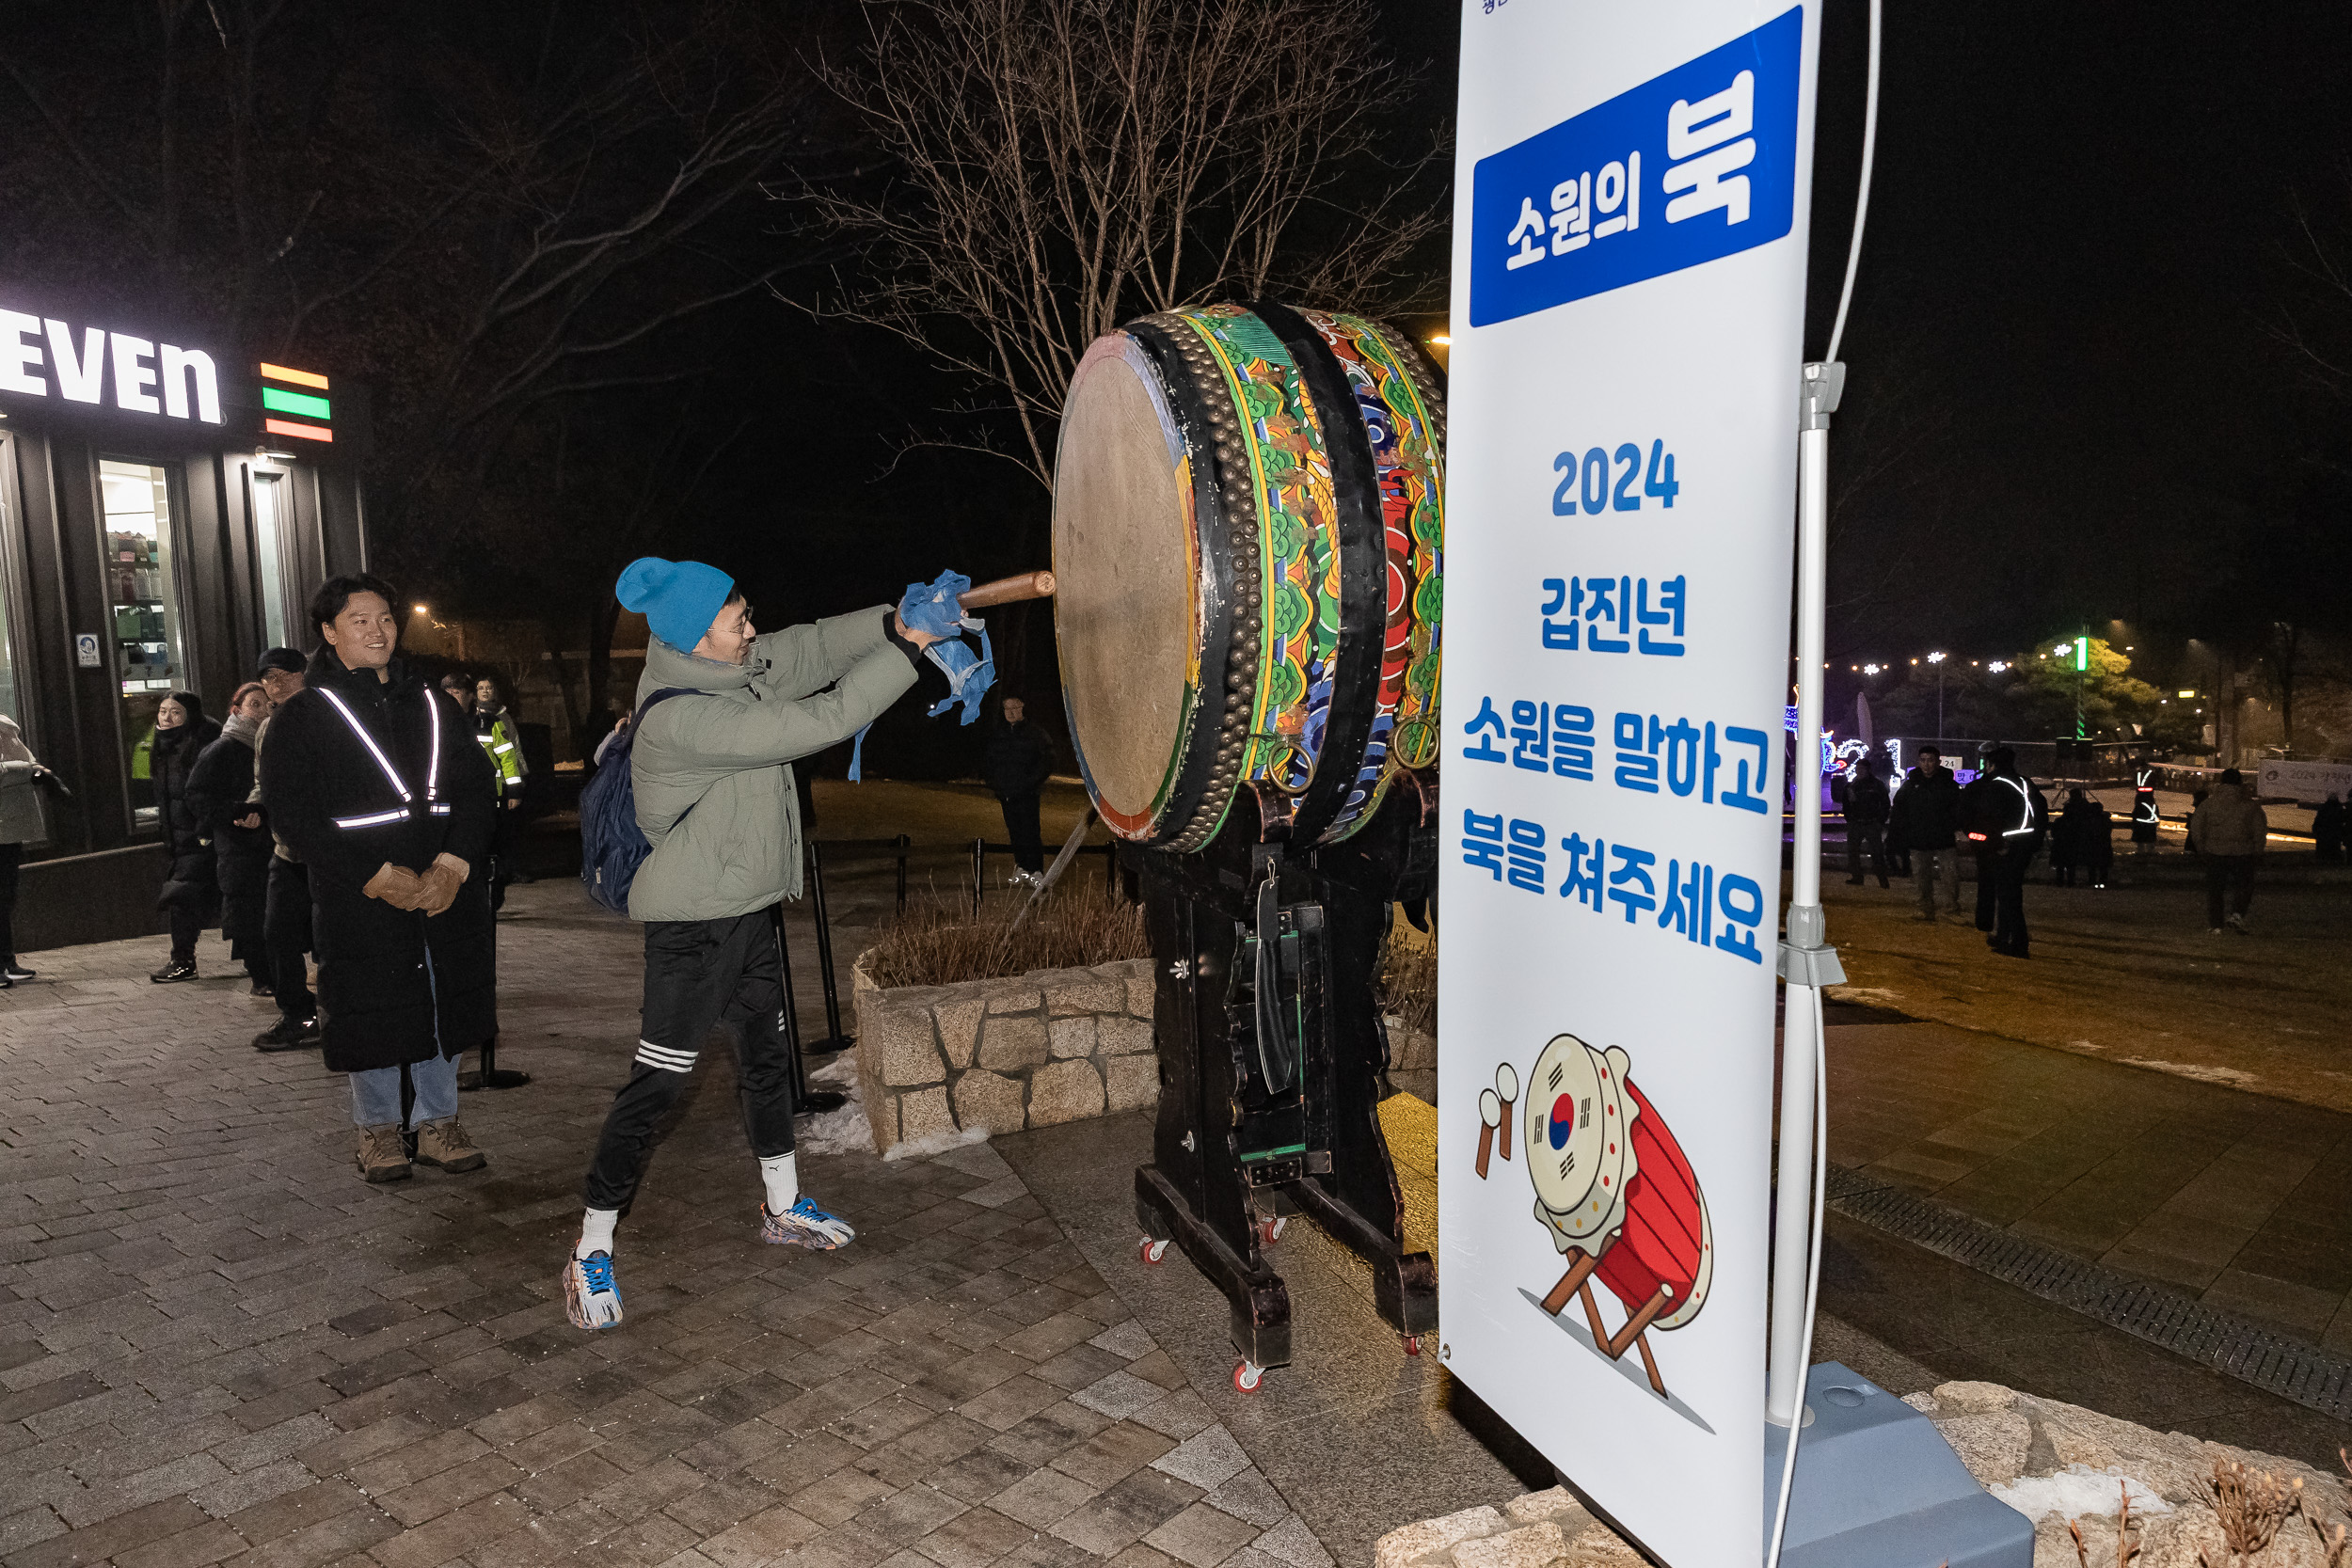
1240	1146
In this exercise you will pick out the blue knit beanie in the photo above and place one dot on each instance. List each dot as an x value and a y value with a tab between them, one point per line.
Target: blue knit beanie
679	598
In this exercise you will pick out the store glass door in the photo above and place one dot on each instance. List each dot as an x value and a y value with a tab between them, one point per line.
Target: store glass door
150	656
8	581
271	546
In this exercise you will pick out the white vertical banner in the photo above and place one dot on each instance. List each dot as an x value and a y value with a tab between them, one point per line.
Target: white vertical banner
1628	294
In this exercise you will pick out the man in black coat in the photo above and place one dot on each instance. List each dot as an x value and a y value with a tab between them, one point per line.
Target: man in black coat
373	777
181	733
1019	760
286	904
1925	819
219	790
1866	810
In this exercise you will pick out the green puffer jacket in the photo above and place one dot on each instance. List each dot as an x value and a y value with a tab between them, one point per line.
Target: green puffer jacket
721	759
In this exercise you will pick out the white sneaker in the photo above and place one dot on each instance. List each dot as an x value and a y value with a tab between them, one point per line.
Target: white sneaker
592	1297
805	1225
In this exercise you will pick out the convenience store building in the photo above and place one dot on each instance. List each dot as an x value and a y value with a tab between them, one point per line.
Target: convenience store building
168	505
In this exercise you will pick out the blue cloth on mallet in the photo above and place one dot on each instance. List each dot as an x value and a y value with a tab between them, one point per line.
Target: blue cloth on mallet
933	609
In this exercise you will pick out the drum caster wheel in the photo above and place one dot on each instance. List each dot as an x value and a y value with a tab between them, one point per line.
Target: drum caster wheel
1247	1376
1152	1251
1270	1231
1412	1344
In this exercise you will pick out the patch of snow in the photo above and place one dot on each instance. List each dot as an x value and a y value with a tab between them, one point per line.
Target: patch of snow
2203	1071
932	1143
842	1131
2080	1491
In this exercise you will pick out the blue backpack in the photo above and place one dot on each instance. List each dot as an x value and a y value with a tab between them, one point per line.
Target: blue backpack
611	846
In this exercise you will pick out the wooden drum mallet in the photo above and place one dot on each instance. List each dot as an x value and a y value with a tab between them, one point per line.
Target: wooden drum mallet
1029	585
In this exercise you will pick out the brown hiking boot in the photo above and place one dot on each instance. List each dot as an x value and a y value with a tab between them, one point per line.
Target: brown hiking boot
383	1155
444	1145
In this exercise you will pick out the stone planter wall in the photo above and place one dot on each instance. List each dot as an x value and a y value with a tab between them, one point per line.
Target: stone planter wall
1047	1047
2052	1461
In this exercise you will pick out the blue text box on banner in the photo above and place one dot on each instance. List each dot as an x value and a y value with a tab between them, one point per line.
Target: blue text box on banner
1692	166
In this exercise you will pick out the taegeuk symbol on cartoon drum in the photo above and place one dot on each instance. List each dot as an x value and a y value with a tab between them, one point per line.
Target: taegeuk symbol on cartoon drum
1614	1191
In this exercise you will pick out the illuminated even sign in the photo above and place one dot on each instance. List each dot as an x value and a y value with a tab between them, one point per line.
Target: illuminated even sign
147	377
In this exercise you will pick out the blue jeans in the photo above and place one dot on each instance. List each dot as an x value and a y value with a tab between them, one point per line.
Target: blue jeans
375	1093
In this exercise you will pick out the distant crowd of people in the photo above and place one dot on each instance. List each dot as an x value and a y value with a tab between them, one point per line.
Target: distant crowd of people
228	863
2002	819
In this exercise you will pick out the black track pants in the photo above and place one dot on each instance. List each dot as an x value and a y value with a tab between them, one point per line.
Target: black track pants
1020	827
700	974
286	932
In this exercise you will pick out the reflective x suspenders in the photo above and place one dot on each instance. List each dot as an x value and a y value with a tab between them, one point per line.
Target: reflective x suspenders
407	801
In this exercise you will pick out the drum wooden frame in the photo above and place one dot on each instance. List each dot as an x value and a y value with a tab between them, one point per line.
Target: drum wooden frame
1249	530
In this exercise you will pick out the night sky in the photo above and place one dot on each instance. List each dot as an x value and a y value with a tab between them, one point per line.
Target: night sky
2064	402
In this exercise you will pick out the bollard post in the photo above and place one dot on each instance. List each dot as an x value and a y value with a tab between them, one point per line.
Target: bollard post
804	1099
835	1039
407	1109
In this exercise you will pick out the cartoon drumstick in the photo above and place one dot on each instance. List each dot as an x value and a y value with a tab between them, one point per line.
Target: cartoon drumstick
1506	1090
1489	1114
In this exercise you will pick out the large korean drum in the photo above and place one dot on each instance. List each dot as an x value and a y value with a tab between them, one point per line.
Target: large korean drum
1248	520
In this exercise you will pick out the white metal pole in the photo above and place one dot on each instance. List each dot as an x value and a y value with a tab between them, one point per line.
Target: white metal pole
1806	961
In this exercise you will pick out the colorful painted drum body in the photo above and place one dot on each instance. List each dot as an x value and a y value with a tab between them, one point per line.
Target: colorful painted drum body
1249	529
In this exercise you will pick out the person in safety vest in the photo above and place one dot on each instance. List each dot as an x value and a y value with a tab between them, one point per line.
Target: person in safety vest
495	733
2144	806
722	713
374	781
2007	828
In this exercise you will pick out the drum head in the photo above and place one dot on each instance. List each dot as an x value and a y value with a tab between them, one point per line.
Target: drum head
1124	555
1579	1154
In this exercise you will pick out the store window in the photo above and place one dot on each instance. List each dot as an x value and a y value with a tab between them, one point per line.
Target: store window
151	660
270	545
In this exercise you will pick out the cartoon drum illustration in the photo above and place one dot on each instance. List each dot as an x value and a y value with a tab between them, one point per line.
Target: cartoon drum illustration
1618	1196
1494	1114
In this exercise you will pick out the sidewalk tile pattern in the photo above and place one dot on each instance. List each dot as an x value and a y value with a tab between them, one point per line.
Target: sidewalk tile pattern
218	1345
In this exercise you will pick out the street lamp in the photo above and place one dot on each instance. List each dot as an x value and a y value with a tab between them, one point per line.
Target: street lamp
1937	659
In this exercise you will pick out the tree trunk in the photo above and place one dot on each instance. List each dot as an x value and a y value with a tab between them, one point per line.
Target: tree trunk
551	632
601	621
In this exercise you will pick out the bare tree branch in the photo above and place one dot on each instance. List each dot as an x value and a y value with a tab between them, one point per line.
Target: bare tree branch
1058	166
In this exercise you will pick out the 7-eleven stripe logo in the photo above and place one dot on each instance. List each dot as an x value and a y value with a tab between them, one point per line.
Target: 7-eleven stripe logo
296	404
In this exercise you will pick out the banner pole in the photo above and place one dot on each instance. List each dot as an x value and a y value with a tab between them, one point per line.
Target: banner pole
1806	959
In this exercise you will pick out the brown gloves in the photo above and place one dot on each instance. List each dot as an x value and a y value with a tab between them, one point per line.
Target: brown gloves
396	885
432	892
438	889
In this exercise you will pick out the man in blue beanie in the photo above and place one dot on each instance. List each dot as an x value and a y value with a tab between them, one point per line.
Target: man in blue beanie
722	715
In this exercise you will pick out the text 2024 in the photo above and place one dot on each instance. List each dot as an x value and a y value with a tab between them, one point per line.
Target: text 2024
1586	480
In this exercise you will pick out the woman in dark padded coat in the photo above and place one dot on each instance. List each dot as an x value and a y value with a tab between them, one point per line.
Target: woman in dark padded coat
219	789
375	781
181	733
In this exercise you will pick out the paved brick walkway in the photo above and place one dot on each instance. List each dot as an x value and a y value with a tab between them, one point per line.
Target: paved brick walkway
218	1345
